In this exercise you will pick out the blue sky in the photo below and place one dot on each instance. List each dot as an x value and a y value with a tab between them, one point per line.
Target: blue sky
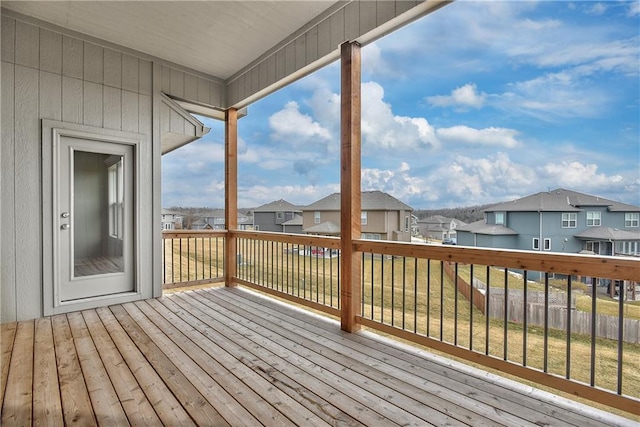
479	102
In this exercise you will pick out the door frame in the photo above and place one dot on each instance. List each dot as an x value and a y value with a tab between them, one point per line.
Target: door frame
52	132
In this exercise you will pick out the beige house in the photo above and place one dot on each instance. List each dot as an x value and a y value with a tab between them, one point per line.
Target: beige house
383	217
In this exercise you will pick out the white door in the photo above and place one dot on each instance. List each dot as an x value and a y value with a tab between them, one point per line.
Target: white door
95	221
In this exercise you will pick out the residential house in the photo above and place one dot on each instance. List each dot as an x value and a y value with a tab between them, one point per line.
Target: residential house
171	220
278	216
383	217
558	221
215	220
439	227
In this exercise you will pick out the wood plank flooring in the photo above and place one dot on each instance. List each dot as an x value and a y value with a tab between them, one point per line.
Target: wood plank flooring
227	356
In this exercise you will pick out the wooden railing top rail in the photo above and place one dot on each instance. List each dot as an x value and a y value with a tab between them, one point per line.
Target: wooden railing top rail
183	234
296	239
611	267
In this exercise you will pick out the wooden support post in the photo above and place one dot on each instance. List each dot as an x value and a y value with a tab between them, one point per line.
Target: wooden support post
231	193
350	148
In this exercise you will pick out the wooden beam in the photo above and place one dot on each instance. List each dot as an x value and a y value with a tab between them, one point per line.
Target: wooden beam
230	191
350	157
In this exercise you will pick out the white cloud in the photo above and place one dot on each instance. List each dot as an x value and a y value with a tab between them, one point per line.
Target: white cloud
258	195
463	96
634	9
497	137
382	129
399	183
573	174
597	9
294	127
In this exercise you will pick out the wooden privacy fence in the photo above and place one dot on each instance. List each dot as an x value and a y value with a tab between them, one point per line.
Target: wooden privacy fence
606	326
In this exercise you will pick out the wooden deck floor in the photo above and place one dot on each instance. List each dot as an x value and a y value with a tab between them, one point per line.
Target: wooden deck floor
230	357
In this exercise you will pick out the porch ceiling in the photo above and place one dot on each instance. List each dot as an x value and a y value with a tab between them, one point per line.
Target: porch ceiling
217	38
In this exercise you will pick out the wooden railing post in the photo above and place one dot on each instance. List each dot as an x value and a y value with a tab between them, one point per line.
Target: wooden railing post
231	193
350	136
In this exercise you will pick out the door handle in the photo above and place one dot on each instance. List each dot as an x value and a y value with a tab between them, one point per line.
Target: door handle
65	226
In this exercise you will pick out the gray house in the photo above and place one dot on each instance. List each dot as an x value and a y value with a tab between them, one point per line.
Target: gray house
383	217
278	216
439	227
558	221
171	220
214	220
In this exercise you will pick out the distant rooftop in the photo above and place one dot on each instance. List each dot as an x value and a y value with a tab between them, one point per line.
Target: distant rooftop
560	200
278	206
370	200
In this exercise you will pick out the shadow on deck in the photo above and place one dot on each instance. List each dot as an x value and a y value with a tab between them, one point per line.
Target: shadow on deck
228	356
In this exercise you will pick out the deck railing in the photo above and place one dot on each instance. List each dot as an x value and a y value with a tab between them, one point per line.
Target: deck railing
535	315
192	257
304	269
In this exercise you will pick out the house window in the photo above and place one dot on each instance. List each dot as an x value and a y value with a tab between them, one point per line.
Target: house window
316	217
116	198
632	219
371	236
547	244
630	248
406	224
594	219
536	244
569	220
279	215
363	217
500	218
219	221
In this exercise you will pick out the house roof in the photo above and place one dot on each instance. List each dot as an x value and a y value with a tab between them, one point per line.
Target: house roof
278	206
608	233
328	227
296	220
370	201
560	200
480	227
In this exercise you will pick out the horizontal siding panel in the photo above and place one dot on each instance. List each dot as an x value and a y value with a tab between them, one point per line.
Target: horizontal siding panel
145	77
352	20
72	57
144	114
50	96
93	59
27	186
8	33
50	51
130	111
27	45
112	68
71	100
92	104
337	29
112	109
7	193
177	83
130	74
204	91
324	38
190	87
385	11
